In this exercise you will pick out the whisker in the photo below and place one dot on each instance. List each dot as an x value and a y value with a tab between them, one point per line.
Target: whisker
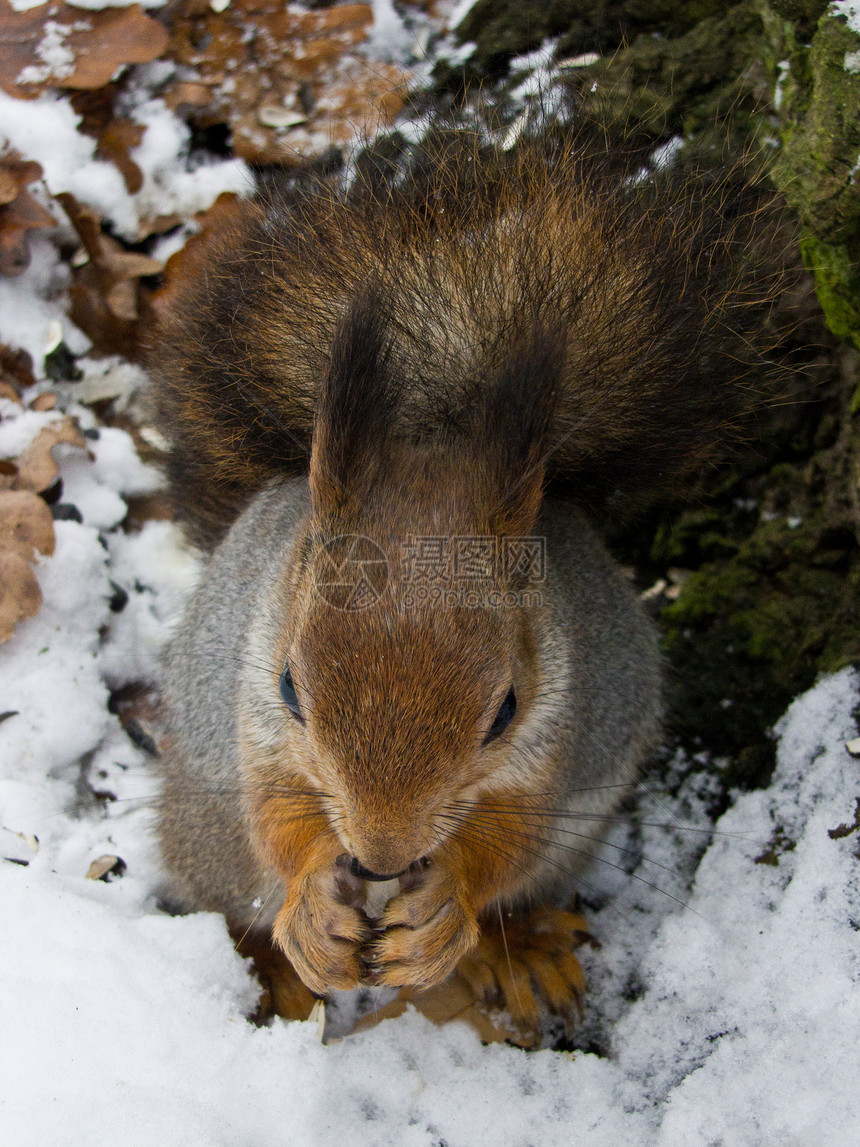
591	856
508	956
257	916
597	840
491	843
560	814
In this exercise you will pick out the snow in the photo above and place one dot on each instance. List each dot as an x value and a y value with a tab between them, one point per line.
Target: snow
666	154
92	487
19	427
783	71
174	184
460	11
389	38
131	1024
49	668
849	10
169	188
161	571
45	129
761	989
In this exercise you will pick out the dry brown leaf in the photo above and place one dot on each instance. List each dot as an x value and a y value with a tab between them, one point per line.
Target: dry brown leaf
107	297
101	866
57	45
20	596
115	136
16	219
16	369
452	1000
36	466
184	95
110	334
105	253
26	525
44	401
19	212
289	83
115	143
8	474
95	108
15	175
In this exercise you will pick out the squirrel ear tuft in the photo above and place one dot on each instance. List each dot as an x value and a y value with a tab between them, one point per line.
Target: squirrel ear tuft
514	423
355	412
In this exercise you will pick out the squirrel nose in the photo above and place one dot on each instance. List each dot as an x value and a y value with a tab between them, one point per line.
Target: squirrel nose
358	869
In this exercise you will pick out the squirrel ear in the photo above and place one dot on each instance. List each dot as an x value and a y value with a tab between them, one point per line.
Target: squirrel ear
355	412
515	419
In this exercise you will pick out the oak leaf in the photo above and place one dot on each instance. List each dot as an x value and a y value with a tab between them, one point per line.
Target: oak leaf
37	469
106	294
43	402
115	143
26	525
16	370
20	596
57	45
20	213
452	1000
115	136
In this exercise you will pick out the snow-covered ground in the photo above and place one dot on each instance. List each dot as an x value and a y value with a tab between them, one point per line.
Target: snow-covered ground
733	1020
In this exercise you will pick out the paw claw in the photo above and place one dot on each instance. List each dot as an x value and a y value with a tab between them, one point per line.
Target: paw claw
420	944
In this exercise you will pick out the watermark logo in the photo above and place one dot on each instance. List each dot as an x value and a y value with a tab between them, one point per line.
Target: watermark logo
468	571
435	596
450	560
351	572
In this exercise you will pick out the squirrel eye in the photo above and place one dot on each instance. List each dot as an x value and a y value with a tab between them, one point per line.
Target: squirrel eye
288	694
505	715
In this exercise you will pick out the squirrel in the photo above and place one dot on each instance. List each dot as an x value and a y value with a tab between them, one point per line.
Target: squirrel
397	405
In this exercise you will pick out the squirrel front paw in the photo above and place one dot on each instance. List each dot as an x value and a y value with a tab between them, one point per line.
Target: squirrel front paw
423	933
322	931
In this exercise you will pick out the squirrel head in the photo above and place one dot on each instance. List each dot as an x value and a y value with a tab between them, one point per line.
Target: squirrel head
411	643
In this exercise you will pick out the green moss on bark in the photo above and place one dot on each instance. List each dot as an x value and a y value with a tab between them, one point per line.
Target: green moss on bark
818	167
755	625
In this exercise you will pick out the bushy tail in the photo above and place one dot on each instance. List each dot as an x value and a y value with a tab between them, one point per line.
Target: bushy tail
656	287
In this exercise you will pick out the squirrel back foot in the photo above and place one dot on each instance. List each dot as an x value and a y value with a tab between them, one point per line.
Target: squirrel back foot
524	963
